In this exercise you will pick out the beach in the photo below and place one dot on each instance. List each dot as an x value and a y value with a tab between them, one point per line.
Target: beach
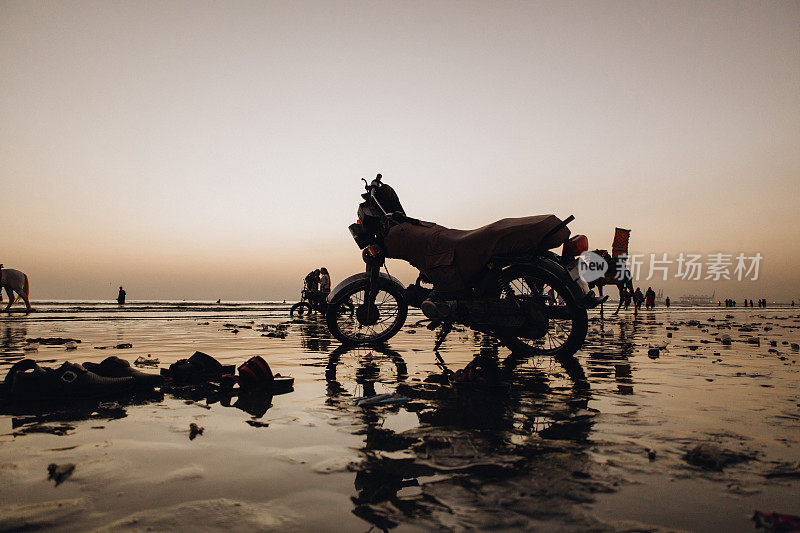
606	446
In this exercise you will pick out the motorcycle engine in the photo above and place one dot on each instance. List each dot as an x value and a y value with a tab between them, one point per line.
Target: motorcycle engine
521	318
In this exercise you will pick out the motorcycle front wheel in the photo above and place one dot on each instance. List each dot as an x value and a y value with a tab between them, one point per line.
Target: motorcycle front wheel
568	323
351	321
299	308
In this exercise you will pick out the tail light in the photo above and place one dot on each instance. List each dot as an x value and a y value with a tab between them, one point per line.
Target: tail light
575	246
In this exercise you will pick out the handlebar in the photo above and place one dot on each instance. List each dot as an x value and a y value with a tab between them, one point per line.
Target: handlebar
375	183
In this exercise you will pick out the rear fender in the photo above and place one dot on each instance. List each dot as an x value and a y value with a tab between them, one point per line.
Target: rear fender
361	276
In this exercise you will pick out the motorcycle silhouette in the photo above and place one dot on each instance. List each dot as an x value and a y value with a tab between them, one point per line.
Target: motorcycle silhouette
310	301
314	301
501	279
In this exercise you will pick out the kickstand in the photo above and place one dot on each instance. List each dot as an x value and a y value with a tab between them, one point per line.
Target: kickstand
441	335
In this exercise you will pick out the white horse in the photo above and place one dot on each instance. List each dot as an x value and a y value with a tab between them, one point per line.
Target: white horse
14	281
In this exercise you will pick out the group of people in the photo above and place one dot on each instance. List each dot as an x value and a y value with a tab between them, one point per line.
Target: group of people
638	297
730	302
319	281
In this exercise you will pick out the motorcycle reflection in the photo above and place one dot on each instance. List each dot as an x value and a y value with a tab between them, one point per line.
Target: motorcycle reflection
470	434
371	368
314	337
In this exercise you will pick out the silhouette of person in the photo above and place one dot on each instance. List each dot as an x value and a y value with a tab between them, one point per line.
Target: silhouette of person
121	296
312	280
650	298
324	281
666	302
638	298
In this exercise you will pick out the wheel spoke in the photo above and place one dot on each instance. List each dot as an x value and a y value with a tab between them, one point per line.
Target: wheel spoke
388	313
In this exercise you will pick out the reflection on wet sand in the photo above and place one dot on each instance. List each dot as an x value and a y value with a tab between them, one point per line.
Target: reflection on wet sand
609	353
54	416
473	439
532	443
11	346
314	335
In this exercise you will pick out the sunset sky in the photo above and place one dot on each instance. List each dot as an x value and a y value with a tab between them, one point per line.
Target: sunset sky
204	150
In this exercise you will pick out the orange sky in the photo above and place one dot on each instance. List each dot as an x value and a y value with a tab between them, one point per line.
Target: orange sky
207	150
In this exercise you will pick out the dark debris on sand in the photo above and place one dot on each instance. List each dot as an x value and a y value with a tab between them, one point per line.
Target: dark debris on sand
53	429
712	457
51	341
59	473
195	430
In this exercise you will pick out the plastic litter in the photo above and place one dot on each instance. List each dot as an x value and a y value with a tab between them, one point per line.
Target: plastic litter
381	399
776	521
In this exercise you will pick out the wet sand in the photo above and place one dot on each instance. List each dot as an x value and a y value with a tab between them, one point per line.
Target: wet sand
545	452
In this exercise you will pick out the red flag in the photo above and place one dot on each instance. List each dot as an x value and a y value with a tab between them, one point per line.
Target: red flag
620	245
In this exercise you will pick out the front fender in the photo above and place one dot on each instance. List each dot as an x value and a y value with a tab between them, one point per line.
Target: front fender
359	277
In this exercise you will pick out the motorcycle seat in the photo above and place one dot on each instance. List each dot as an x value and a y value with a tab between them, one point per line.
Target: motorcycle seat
455	256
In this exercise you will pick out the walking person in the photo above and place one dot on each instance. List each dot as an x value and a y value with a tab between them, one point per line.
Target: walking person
650	299
121	296
638	298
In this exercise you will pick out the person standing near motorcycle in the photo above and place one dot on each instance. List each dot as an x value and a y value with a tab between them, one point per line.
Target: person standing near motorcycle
312	280
324	282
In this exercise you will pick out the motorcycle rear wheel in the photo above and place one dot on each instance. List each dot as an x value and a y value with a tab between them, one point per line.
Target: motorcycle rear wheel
564	336
347	314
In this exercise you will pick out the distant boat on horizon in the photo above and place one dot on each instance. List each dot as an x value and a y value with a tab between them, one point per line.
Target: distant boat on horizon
698	299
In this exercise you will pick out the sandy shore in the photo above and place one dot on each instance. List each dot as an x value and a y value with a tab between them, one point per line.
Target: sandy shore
546	452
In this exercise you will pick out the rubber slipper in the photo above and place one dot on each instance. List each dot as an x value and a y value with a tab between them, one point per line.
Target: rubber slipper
255	374
199	368
115	367
70	380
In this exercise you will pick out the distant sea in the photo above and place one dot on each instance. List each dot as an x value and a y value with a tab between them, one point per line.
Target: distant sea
105	309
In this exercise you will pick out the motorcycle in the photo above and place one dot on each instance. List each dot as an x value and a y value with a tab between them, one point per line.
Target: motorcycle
501	279
310	300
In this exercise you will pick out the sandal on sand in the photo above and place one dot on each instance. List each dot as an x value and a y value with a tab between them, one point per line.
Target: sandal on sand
255	374
199	368
115	367
27	379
